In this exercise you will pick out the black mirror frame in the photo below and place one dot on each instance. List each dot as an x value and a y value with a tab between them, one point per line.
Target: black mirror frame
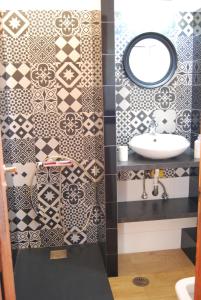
173	60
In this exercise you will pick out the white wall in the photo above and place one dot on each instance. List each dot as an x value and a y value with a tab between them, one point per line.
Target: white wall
183	5
152	235
131	190
49	4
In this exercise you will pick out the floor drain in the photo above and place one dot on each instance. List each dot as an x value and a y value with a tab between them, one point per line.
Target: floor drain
58	254
140	281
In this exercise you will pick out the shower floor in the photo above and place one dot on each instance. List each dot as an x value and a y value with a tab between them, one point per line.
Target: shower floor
162	268
79	276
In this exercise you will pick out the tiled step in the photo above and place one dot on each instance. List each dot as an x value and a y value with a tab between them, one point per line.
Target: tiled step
188	242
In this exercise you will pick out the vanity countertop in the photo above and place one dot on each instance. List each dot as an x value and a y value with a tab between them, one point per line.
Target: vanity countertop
137	162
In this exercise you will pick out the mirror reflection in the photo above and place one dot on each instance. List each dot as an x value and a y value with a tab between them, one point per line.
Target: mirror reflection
150	60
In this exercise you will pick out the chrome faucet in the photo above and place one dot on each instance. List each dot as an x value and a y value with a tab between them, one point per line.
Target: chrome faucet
152	127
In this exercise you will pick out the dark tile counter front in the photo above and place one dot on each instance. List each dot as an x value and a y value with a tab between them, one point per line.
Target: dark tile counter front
134	211
138	162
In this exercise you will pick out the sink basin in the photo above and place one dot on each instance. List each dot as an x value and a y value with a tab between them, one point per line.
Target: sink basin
159	146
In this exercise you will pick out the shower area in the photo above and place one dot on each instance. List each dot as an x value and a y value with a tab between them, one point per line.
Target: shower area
51	110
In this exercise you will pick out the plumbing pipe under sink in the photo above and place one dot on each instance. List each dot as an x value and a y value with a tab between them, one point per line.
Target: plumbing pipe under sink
156	178
185	288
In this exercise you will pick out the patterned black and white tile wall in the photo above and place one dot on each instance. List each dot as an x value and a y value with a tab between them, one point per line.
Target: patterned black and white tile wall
175	106
52	104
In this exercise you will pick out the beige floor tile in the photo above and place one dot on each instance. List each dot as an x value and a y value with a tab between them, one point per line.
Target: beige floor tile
162	268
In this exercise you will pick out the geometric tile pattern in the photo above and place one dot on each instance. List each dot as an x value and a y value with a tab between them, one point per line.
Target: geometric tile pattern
15	76
185	48
49	206
183	97
69	100
41	23
90	51
67	49
185	23
130	174
17	126
184	120
74	215
17	49
171	104
67	23
43	75
15	101
72	147
45	125
15	23
166	120
26	239
123	129
92	124
92	99
165	98
75	236
52	237
46	147
70	124
196	23
18	151
44	100
52	104
23	220
68	74
42	49
140	121
19	197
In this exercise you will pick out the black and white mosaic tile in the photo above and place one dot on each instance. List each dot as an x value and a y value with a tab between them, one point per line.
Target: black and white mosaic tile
18	126
49	206
18	151
92	124
69	100
75	236
138	175
26	239
43	75
140	121
17	49
72	147
52	237
42	49
52	104
46	147
44	100
68	48
46	125
16	101
91	99
15	76
15	23
22	197
23	220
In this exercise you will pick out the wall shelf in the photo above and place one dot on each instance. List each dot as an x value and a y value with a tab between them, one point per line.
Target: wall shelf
137	162
149	210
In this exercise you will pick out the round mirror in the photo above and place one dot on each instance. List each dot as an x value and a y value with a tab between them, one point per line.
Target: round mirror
150	60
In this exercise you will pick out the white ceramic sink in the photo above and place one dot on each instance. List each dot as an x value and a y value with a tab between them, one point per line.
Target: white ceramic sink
159	146
185	288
